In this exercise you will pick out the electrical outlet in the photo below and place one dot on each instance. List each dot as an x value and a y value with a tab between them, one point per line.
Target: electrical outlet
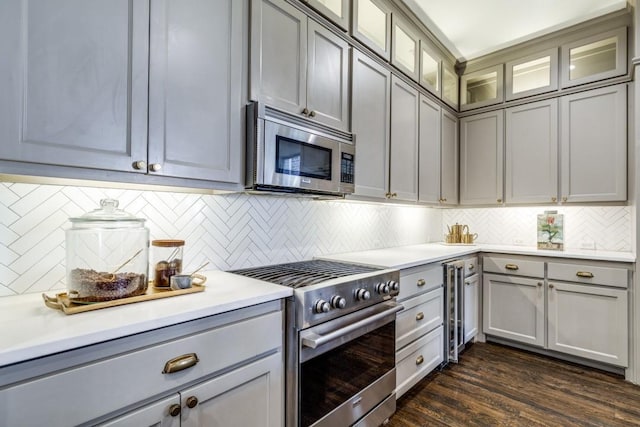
588	244
518	242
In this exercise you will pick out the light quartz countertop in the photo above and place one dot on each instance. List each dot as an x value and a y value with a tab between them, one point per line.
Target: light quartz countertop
414	255
31	330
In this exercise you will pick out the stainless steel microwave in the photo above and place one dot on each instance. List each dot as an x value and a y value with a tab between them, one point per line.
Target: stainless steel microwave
286	154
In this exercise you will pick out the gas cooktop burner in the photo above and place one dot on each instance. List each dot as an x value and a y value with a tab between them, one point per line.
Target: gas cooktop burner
303	273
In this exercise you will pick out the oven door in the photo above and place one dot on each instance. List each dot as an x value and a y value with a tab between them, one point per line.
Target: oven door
297	159
347	366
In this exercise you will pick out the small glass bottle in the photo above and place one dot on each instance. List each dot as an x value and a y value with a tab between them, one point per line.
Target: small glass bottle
167	256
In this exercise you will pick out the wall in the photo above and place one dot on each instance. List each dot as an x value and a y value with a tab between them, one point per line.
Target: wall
604	228
229	231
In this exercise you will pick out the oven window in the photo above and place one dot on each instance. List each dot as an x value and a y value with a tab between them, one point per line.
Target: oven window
302	159
332	378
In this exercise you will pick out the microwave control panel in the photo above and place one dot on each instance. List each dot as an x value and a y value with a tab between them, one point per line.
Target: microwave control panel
347	166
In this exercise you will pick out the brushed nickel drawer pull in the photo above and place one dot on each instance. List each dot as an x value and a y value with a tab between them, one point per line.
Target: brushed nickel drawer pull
420	316
421	282
511	267
419	360
587	274
180	363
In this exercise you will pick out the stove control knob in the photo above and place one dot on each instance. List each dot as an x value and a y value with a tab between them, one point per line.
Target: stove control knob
362	294
395	286
338	302
321	306
383	288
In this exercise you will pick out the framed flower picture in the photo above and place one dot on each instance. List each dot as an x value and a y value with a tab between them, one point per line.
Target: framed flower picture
550	231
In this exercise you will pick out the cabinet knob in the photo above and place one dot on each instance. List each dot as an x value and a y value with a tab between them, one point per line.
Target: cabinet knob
192	401
174	410
564	199
550	286
554	199
539	284
312	114
305	112
419	316
394	194
499	200
140	165
421	282
155	167
419	360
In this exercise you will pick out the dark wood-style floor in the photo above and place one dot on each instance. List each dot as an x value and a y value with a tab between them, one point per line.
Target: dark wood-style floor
495	385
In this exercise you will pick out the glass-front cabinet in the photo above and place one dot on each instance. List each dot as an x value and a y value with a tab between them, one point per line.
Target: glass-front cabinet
336	10
449	85
405	43
372	25
481	88
532	75
595	58
429	69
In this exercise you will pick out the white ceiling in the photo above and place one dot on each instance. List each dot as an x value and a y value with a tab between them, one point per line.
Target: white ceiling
472	28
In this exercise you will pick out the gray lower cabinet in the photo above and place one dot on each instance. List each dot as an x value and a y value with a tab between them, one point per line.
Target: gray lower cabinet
297	65
531	148
124	86
593	145
471	300
403	182
481	159
420	325
578	308
371	115
199	373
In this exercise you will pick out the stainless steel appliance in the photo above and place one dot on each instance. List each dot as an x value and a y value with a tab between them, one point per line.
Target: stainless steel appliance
287	154
456	274
340	341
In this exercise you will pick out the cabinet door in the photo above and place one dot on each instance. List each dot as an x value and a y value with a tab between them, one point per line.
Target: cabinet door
278	55
513	308
336	10
73	79
372	25
471	307
156	414
588	321
371	106
594	145
405	48
449	85
224	400
430	68
429	151
531	164
403	183
532	75
481	158
328	77
481	88
449	159
195	87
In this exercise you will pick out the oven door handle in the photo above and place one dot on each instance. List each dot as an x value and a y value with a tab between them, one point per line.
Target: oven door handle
314	340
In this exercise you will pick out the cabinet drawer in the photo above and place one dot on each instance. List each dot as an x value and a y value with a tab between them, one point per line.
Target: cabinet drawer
105	386
592	274
419	358
513	266
419	279
421	314
470	266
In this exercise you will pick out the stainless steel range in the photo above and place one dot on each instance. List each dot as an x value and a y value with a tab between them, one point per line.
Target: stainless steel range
340	341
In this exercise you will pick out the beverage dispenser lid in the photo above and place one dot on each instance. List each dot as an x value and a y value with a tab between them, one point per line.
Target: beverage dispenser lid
108	212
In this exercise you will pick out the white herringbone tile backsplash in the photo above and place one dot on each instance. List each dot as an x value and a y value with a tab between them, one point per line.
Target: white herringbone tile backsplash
229	231
606	228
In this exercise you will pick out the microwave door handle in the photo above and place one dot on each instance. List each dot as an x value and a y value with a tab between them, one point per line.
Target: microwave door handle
316	340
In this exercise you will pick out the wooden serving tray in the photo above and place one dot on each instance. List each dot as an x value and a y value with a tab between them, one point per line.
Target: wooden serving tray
63	303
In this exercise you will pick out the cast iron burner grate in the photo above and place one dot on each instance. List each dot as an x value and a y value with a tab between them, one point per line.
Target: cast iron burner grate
303	273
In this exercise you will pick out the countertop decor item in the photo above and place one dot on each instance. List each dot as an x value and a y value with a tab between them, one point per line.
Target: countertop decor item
551	231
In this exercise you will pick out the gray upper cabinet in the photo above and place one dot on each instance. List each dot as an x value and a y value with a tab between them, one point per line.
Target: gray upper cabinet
370	109
481	88
481	159
405	48
532	75
531	146
429	151
336	10
449	85
403	182
195	81
371	25
73	80
448	159
598	57
297	65
594	145
430	69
